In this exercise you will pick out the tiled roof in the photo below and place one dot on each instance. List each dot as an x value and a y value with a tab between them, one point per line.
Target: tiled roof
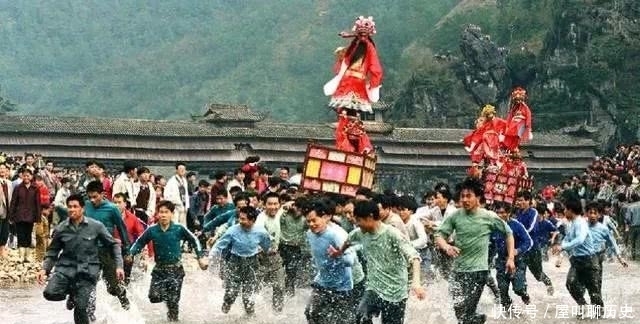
380	105
222	113
156	128
373	127
173	128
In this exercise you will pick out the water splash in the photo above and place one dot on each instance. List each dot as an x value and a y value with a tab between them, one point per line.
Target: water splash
202	300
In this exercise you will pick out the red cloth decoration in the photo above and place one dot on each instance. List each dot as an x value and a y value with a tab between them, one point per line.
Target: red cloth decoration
484	141
350	135
518	126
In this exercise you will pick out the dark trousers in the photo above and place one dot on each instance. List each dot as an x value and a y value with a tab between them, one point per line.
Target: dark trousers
493	285
108	265
390	312
466	289
114	286
533	259
443	263
634	242
272	273
545	252
518	280
4	231
491	282
23	231
166	286
584	274
78	288
601	257
357	294
292	261
224	268
127	272
241	276
328	307
200	219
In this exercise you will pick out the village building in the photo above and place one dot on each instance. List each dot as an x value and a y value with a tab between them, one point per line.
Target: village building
225	135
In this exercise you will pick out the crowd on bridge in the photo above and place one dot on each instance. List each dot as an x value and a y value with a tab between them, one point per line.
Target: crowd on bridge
262	230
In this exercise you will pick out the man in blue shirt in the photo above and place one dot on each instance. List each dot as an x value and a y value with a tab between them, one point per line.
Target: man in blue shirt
220	213
167	275
602	235
608	220
199	203
525	214
544	231
240	200
559	221
522	244
530	218
107	213
332	285
245	241
582	249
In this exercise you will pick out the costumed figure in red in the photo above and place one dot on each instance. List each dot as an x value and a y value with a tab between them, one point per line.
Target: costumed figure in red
355	86
473	141
483	143
518	124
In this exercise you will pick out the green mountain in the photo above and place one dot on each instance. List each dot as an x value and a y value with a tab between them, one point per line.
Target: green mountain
166	59
443	59
577	59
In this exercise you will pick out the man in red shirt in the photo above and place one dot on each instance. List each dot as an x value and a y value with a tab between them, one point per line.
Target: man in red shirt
43	191
107	183
131	222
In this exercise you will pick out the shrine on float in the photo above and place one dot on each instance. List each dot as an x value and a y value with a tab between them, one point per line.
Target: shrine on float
354	87
494	149
493	145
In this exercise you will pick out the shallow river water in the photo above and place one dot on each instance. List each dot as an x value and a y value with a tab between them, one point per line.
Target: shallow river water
202	299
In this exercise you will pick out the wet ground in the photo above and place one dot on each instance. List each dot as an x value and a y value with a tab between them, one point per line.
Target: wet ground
202	299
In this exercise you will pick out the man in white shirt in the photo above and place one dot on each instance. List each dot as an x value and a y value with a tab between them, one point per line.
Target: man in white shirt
63	193
296	179
272	264
417	236
387	216
144	196
428	201
443	207
237	181
177	192
124	182
283	173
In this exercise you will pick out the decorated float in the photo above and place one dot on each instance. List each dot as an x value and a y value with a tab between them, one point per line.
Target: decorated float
494	149
356	85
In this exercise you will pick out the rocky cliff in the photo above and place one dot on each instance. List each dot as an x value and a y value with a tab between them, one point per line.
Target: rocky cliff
587	67
576	59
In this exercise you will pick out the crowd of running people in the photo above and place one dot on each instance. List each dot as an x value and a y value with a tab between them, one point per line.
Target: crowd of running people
362	256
